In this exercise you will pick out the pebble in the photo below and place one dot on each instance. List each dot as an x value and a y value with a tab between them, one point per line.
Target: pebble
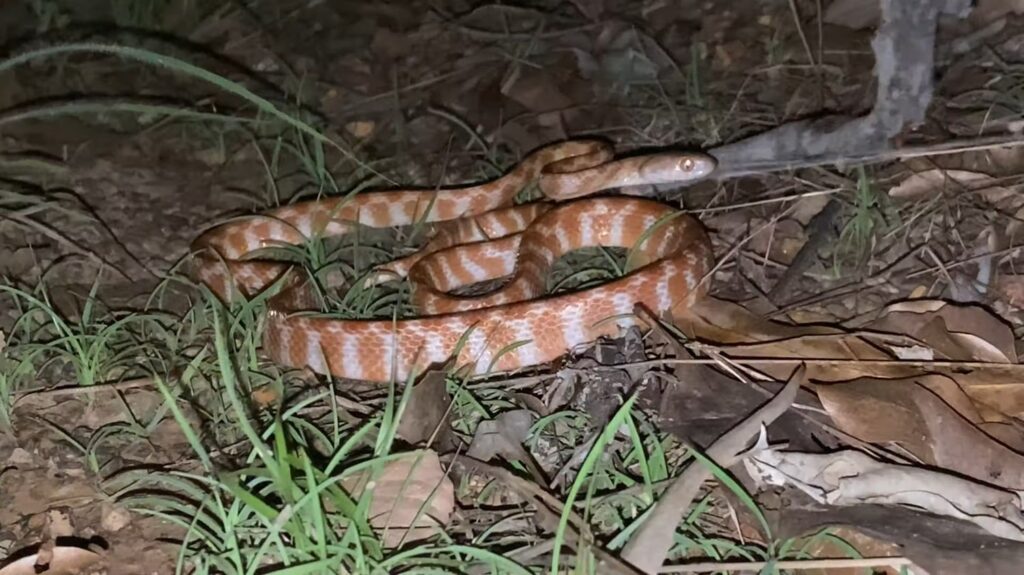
114	518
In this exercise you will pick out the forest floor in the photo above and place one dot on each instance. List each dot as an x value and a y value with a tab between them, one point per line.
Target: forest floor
141	430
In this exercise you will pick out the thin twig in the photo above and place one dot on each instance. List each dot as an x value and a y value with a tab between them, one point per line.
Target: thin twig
797	565
70	390
725	258
479	34
800	31
753	203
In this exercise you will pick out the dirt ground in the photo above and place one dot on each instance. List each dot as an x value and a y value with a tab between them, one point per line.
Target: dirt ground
440	93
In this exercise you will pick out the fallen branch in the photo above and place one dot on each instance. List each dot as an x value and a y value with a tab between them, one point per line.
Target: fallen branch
904	49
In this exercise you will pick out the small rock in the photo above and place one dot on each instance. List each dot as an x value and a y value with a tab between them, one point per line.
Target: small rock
211	156
19	457
360	129
114	518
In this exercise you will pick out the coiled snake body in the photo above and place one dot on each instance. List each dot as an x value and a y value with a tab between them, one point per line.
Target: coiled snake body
480	235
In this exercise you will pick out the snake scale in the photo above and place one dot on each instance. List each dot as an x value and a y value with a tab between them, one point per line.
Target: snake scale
480	234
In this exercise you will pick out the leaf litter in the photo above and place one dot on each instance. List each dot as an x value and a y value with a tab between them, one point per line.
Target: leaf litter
614	459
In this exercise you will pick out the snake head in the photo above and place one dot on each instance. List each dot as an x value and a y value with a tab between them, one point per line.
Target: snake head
669	168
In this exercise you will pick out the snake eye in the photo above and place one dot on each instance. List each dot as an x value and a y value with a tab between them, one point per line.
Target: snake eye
688	165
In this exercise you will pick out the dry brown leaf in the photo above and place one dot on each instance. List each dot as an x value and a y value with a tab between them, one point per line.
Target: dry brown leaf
998	161
807	207
947	388
907	413
723	322
959	332
1009	434
425	414
741	334
413	498
848	350
502	436
799	316
997	389
935	181
877	411
63	560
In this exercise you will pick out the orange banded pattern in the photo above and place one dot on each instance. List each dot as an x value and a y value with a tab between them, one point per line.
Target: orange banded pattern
479	235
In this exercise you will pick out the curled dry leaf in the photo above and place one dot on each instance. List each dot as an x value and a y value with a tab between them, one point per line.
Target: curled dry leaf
915	416
742	334
958	332
850	477
727	323
63	560
413	498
